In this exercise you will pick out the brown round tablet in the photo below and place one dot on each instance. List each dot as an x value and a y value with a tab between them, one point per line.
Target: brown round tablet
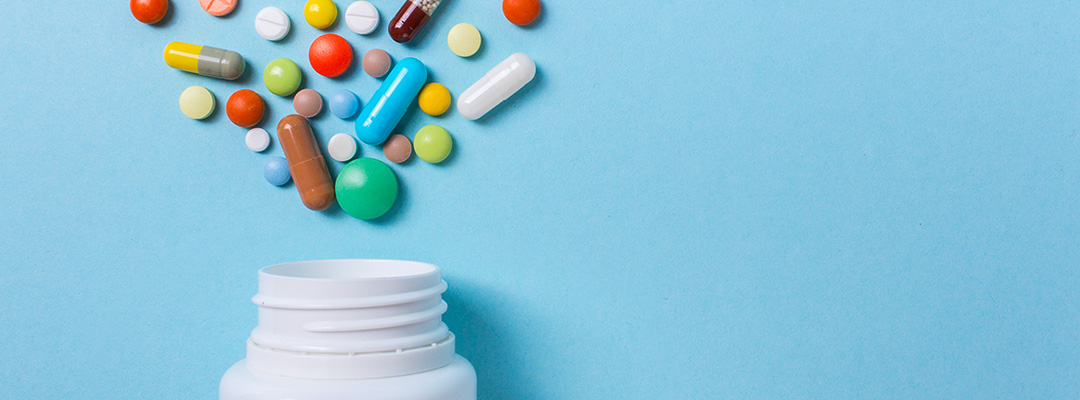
307	102
376	63
397	148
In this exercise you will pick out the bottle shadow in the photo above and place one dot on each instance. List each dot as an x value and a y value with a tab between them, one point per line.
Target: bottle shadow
473	315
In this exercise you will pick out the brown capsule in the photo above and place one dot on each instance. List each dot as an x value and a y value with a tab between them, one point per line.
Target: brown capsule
306	163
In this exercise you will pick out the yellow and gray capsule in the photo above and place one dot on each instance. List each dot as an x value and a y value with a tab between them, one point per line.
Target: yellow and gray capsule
204	60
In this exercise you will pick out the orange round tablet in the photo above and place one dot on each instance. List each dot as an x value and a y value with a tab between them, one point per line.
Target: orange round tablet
149	11
521	12
218	7
245	108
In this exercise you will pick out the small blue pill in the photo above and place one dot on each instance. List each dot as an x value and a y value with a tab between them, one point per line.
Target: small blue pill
277	171
344	104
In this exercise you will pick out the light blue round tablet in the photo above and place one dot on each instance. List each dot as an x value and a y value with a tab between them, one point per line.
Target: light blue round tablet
277	171
344	104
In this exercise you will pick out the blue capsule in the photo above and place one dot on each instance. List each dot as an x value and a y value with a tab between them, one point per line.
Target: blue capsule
386	107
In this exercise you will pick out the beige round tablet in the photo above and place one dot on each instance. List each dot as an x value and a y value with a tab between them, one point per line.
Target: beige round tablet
397	148
376	63
464	39
197	102
307	102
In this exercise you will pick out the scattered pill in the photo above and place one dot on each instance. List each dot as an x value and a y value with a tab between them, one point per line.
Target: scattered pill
366	188
341	147
282	77
245	108
276	171
149	11
320	13
344	104
521	12
306	162
196	102
433	144
411	18
362	17
257	139
377	63
389	103
272	23
464	39
307	102
218	8
397	148
434	99
496	85
204	60
330	55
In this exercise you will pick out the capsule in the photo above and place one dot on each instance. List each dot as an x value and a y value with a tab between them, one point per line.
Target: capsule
497	85
411	18
389	103
306	163
204	60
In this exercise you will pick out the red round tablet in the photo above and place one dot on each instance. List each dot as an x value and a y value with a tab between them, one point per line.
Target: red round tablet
521	12
330	55
149	11
245	108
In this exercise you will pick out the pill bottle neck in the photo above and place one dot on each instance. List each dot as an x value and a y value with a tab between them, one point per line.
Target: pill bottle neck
350	319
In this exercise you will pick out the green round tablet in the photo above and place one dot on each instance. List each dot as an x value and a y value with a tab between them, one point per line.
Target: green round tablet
432	144
366	188
282	77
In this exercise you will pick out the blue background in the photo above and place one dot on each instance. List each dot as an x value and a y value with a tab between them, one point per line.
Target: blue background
743	199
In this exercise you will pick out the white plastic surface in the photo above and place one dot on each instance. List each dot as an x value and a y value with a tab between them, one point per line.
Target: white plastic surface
455	381
350	319
342	147
257	139
272	23
362	17
497	85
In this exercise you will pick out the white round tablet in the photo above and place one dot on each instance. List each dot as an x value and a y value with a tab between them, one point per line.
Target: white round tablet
362	17
342	147
257	139
272	23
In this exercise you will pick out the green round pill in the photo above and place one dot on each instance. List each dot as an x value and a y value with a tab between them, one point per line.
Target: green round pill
432	144
366	188
282	77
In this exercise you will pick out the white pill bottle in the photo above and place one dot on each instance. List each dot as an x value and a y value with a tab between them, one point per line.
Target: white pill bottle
350	330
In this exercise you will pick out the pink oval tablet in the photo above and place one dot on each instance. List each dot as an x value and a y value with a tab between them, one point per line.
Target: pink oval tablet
376	63
307	102
397	148
218	7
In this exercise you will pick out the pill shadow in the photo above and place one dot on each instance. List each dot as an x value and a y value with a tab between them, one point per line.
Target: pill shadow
474	315
167	19
538	21
245	76
355	67
514	103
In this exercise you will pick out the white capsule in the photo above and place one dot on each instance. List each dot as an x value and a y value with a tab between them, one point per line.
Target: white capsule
497	85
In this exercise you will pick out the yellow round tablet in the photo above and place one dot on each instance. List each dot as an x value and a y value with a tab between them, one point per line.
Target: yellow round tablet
434	99
464	39
320	13
196	102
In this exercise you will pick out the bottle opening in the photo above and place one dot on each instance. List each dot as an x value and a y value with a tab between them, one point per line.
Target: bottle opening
351	269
